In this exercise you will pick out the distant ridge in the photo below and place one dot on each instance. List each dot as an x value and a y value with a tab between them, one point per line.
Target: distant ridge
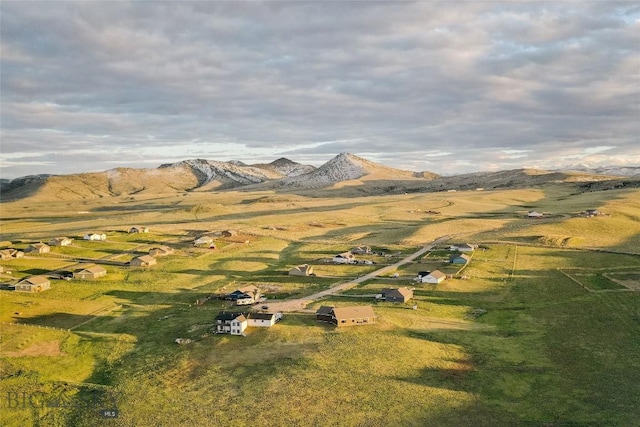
341	175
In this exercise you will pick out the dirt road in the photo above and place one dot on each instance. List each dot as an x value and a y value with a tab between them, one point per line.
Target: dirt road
299	304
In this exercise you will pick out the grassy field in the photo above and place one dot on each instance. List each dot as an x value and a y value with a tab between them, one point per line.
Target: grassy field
539	332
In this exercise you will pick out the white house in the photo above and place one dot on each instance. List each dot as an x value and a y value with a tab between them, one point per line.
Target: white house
95	235
534	214
231	323
264	320
435	276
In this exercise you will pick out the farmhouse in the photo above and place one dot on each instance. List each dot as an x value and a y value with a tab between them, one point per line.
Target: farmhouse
90	272
459	259
591	212
138	229
534	214
33	284
203	241
264	320
403	294
228	233
60	241
361	250
37	248
11	253
160	251
143	261
436	276
301	270
231	323
95	235
343	258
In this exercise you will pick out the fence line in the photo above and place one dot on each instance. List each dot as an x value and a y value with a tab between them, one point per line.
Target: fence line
34	326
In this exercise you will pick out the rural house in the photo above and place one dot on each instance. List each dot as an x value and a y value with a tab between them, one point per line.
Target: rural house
160	251
343	258
60	241
203	241
33	284
245	296
436	276
231	323
263	320
459	259
534	214
90	272
591	212
403	294
347	316
466	247
95	235
11	253
143	261
301	270
138	229
361	250
37	248
324	314
352	316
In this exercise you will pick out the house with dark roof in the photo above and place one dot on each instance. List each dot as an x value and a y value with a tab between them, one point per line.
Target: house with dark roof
37	248
403	294
231	323
90	272
435	276
459	259
246	295
263	320
33	284
323	314
301	270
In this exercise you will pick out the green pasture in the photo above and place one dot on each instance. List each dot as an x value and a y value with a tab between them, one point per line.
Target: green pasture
516	342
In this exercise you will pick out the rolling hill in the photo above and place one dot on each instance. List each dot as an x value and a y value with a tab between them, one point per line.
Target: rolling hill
342	174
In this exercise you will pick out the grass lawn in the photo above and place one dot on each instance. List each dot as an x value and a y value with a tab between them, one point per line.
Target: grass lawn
516	342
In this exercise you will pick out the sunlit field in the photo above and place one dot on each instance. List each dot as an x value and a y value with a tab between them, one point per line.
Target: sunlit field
541	327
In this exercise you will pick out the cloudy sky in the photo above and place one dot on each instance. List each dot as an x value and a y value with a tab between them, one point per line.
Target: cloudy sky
446	87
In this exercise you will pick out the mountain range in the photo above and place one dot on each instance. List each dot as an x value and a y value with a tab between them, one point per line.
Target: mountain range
345	171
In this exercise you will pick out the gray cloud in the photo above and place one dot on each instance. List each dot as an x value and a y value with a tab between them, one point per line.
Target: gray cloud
419	85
